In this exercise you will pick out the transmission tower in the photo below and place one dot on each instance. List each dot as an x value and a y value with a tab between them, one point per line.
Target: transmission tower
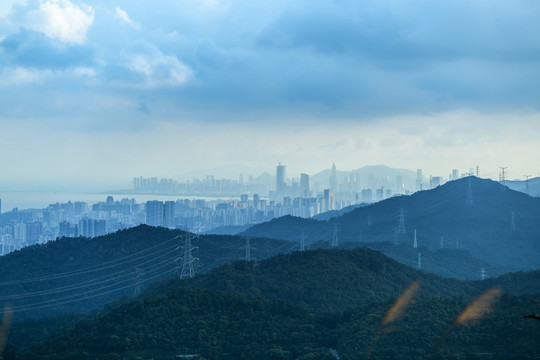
401	221
248	249
502	176
187	264
415	242
477	171
419	261
335	235
138	282
482	273
513	221
469	199
302	241
527	183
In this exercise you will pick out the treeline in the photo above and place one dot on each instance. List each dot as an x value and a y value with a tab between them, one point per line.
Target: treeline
82	274
217	325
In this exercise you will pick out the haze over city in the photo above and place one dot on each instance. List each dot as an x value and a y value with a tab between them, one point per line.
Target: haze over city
95	93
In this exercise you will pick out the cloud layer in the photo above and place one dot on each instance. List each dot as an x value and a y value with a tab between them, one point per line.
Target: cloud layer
350	59
98	67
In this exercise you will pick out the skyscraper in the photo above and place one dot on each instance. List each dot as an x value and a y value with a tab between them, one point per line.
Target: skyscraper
399	184
281	176
154	213
168	214
333	178
304	185
328	199
419	179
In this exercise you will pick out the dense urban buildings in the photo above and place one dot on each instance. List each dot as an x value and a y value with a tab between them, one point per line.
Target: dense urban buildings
240	204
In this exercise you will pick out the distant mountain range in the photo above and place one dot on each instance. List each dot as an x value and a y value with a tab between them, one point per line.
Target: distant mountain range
380	173
521	185
496	225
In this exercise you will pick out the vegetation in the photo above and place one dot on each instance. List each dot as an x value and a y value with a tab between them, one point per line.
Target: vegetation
217	325
81	274
484	228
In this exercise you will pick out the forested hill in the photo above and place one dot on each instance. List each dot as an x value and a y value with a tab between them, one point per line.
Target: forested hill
201	324
296	306
211	325
333	280
497	225
81	274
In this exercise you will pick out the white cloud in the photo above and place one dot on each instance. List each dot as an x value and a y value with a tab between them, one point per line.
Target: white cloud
5	7
21	75
158	69
62	20
123	15
84	71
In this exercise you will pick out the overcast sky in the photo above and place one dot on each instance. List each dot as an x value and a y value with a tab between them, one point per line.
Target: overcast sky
100	91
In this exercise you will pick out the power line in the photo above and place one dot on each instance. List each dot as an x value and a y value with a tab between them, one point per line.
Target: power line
85	284
98	267
87	295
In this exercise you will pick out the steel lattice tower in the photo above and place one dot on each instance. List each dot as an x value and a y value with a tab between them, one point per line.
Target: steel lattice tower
469	200
401	221
335	235
187	264
527	183
248	249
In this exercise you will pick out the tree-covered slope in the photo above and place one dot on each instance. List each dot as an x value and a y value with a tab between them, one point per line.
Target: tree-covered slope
321	280
216	325
81	274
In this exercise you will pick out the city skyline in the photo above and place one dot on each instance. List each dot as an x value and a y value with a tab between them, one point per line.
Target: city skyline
97	91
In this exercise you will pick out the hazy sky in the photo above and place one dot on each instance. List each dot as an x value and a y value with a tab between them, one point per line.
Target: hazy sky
100	91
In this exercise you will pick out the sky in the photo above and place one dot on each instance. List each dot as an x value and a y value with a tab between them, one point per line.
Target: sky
99	91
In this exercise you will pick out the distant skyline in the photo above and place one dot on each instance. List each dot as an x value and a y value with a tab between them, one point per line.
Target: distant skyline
93	93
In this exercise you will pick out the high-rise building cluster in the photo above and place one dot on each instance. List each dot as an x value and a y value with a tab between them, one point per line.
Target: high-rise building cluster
208	186
242	205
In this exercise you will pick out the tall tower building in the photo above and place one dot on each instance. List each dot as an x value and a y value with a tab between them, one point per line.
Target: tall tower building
168	214
399	184
419	179
154	213
328	199
304	185
281	182
333	178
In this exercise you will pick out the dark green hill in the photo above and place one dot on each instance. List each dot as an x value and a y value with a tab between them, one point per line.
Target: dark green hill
452	263
321	280
80	274
498	226
214	325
